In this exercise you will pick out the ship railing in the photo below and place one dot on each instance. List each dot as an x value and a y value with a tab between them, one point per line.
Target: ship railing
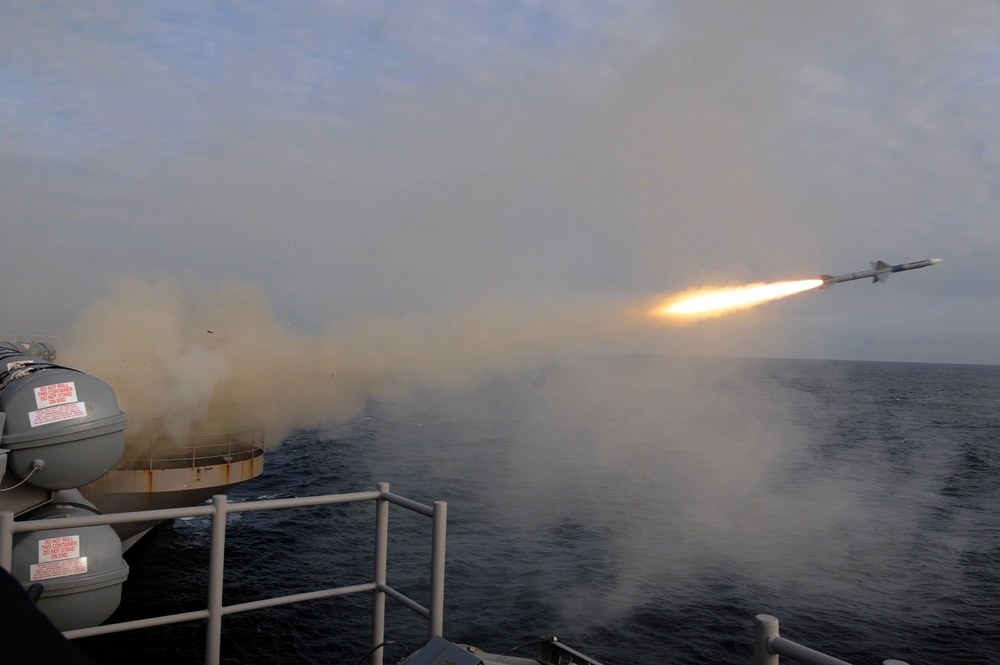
193	451
215	610
768	645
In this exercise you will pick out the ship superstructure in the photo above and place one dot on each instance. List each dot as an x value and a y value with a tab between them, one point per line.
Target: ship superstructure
64	453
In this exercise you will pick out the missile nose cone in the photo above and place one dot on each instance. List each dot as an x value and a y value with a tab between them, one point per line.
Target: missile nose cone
935	261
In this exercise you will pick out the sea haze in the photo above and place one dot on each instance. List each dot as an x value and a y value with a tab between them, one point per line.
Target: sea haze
642	508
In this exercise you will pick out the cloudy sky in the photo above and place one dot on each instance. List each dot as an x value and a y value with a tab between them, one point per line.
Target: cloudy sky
387	160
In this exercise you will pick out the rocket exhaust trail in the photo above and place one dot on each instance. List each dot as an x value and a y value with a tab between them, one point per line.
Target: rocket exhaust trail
709	302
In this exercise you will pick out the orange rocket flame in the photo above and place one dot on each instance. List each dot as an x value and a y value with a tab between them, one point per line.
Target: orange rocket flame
708	302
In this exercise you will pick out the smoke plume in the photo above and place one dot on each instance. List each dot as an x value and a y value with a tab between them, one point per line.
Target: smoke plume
185	359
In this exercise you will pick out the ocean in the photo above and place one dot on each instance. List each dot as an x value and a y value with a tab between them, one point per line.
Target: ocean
641	508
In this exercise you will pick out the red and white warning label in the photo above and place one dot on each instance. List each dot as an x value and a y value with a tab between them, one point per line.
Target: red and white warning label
55	414
60	547
50	569
58	557
55	393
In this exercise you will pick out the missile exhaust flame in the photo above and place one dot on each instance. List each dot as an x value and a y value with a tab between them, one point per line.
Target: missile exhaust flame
709	302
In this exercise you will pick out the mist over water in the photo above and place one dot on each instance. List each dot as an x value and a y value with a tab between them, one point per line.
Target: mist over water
676	466
637	505
632	493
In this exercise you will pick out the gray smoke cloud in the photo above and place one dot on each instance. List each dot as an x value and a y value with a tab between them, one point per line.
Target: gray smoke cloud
184	359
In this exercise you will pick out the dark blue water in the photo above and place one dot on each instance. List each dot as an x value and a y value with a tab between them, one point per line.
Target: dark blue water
641	508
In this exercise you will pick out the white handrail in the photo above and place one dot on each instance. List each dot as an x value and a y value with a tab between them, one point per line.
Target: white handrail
768	645
215	610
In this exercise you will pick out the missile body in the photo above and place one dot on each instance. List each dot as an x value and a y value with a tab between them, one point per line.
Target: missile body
879	272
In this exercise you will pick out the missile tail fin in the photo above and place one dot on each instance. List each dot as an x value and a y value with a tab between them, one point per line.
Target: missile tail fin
882	271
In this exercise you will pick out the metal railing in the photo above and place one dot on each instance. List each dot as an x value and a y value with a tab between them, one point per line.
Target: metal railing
768	645
149	453
215	610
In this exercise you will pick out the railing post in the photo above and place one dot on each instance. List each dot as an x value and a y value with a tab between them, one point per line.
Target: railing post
438	534
765	628
6	540
216	562
381	557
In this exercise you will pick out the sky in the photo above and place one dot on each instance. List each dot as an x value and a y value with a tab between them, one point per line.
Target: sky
419	173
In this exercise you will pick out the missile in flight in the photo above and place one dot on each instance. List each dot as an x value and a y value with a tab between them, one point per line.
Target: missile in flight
879	272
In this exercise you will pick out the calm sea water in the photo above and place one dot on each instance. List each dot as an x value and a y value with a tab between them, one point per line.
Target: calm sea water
641	508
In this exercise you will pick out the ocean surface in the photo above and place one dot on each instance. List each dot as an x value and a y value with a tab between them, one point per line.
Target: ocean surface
642	508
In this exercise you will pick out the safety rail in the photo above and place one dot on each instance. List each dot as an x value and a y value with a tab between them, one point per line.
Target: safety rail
768	645
215	610
199	450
